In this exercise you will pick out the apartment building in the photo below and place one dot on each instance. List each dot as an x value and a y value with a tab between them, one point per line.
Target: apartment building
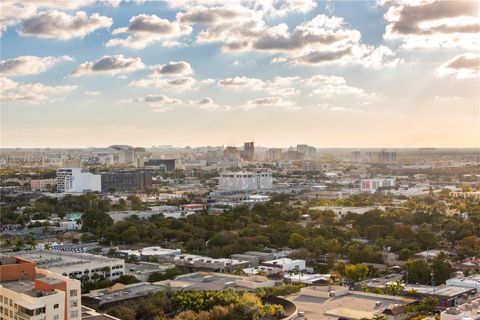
245	181
30	293
77	180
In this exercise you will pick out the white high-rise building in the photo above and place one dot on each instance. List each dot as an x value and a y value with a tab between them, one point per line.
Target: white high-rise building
77	180
372	185
245	181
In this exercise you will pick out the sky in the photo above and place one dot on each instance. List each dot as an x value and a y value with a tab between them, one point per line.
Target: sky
379	73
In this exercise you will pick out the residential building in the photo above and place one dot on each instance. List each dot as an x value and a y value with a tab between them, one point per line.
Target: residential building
372	185
195	262
162	164
43	184
27	292
76	265
248	152
77	180
245	181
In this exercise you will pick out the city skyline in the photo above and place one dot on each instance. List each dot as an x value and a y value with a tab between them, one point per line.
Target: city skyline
365	74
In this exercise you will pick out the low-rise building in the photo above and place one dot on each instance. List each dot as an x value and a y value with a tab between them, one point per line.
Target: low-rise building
335	302
43	184
195	262
103	299
285	264
76	265
199	281
465	311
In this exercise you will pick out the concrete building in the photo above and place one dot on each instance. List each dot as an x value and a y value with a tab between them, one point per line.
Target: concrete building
76	265
248	152
43	184
161	164
472	281
200	281
77	180
27	292
274	154
307	151
285	264
195	262
103	299
127	180
465	311
334	302
372	185
245	181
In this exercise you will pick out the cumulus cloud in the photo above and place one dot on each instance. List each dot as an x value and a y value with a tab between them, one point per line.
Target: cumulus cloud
434	23
145	29
185	83
62	26
319	40
241	82
267	8
31	93
108	65
276	102
462	66
174	68
27	65
330	86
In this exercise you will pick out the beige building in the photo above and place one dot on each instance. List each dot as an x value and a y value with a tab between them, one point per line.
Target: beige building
30	293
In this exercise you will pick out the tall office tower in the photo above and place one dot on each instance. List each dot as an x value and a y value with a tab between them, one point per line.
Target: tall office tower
274	154
248	152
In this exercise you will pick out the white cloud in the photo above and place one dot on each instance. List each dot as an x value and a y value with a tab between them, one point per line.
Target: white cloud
174	68
27	65
109	65
62	26
434	23
275	102
462	66
242	82
331	86
185	83
31	93
93	93
145	30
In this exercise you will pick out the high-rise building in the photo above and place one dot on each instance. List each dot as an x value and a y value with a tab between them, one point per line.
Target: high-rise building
77	180
274	154
248	152
308	151
231	153
28	292
372	185
245	181
374	157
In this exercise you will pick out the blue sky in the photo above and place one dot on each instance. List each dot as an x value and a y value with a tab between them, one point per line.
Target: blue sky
326	73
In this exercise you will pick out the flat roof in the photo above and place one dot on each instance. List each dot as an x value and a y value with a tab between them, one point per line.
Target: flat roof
60	261
354	305
128	292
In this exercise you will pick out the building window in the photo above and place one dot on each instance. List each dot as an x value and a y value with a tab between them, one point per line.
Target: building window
55	306
73	314
56	317
73	303
73	293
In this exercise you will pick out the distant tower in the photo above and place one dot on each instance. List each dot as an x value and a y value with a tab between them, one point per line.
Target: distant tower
248	151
